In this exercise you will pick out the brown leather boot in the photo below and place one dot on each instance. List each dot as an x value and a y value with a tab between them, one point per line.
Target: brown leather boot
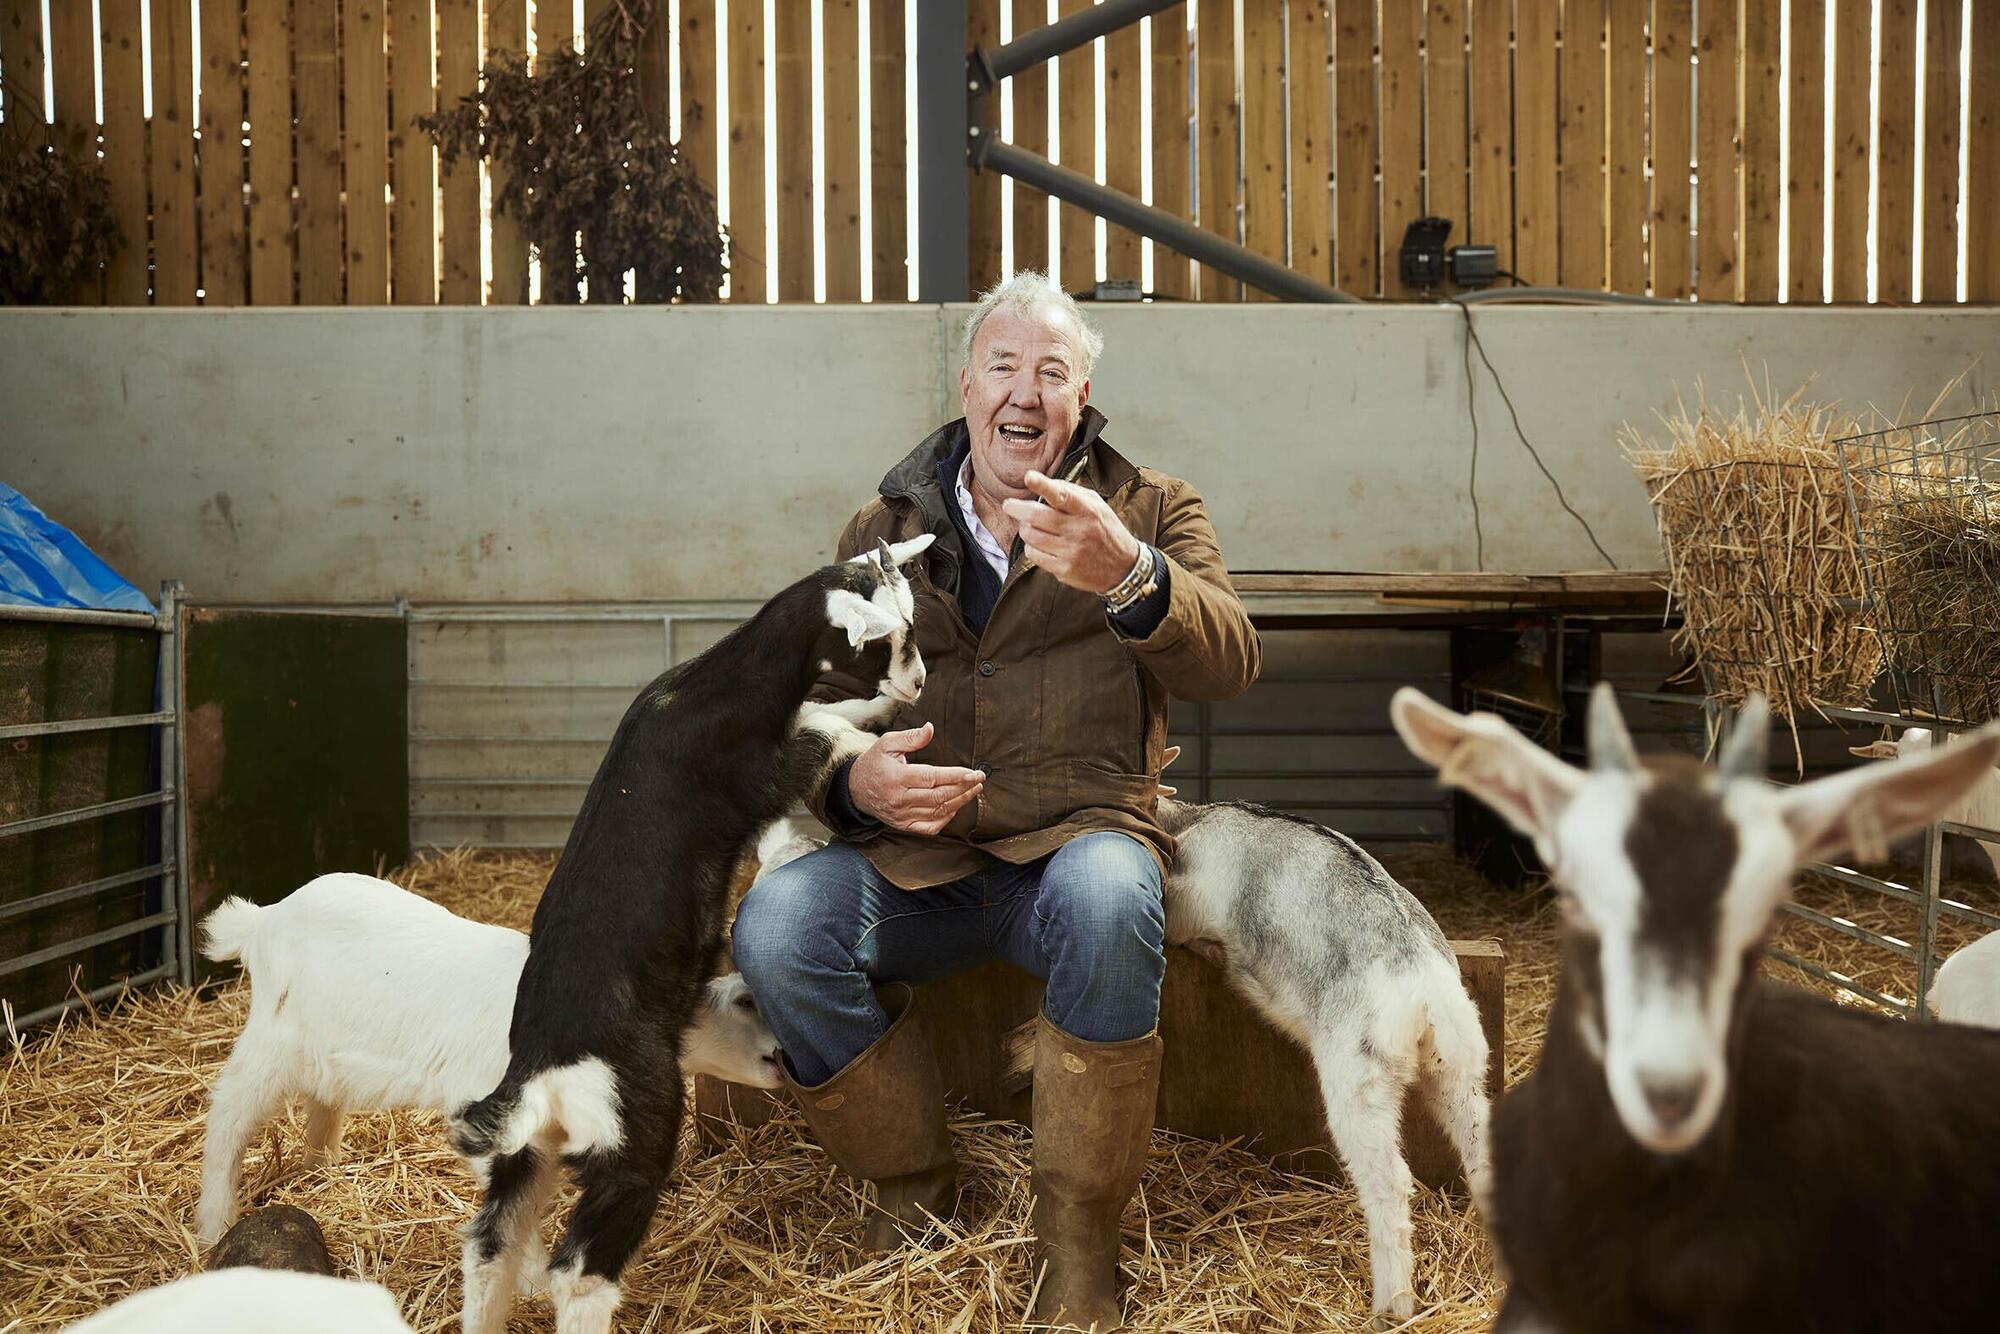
1093	1123
882	1120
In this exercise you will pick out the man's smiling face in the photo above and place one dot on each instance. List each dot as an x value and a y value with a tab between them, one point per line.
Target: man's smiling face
1022	396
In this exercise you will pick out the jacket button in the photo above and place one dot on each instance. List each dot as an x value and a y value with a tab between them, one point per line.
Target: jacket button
986	667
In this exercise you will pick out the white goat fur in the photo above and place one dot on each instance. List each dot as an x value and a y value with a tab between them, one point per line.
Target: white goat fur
252	1301
1345	961
366	997
1967	989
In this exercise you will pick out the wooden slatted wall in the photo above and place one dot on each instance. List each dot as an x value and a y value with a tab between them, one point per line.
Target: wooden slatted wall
1679	147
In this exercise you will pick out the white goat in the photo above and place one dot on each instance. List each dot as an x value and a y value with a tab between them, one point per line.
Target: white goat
366	997
252	1301
1979	807
1967	989
784	840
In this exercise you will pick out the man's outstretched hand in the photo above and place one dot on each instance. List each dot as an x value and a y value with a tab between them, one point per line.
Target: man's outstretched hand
915	798
1074	535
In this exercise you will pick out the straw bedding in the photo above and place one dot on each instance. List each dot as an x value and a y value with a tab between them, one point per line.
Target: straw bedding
103	1123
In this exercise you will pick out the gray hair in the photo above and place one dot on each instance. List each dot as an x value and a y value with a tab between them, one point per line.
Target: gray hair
1033	292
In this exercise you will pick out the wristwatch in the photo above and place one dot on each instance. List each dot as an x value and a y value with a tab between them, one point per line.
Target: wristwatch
1135	587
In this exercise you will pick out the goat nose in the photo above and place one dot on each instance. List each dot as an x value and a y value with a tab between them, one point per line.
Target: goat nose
1672	1097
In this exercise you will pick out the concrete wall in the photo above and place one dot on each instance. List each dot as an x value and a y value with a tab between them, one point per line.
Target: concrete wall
664	453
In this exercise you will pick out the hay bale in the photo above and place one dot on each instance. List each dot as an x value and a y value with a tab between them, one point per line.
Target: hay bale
283	1236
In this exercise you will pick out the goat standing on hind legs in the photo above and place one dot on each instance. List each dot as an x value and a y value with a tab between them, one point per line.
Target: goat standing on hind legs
630	927
1698	1150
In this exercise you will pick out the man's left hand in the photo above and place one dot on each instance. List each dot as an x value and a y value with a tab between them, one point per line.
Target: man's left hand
1073	535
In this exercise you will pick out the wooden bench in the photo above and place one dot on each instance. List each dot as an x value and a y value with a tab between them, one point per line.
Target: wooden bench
1227	1074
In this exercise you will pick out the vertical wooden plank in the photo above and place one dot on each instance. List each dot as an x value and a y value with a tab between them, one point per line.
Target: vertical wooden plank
413	159
365	147
1309	77
461	282
555	27
1852	53
1581	129
1942	49
316	62
128	280
1895	152
176	262
1173	274
1805	182
887	165
23	54
1354	198
224	269
506	30
1076	124
1673	151
1492	115
1124	126
267	36
1215	94
1982	147
1716	121
1263	135
1447	189
747	261
1402	103
841	85
793	136
982	29
72	55
1031	132
1763	78
698	131
1536	207
1625	144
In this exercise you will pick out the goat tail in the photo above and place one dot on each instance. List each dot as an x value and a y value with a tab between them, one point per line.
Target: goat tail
478	1127
230	929
575	1107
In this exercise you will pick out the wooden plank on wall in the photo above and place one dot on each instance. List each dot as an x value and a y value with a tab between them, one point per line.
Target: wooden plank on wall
1492	208
1076	124
1982	148
506	30
1582	132
176	259
365	97
1354	194
698	61
1853	54
793	135
1124	130
982	29
1896	151
1673	152
460	282
1173	274
1216	117
1263	93
1716	120
1402	144
841	89
224	264
1309	80
72	56
128	277
555	25
1447	191
1031	133
413	160
1625	144
1535	194
888	167
23	53
267	37
1805	180
747	205
1943	47
1762	180
316	66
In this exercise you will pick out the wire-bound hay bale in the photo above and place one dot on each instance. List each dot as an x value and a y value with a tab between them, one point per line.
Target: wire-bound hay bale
1761	552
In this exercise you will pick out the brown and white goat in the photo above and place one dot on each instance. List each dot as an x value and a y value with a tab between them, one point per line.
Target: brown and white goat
1696	1150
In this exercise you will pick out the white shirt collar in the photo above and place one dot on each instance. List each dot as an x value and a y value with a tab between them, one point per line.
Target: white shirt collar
984	540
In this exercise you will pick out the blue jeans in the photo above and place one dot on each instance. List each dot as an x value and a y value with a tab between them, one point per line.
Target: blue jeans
811	938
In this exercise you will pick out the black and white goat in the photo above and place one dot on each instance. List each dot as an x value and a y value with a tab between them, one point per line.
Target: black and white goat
1698	1151
631	926
366	997
1345	961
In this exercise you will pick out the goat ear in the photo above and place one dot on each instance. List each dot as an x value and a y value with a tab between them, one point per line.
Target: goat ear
902	553
1610	743
1746	753
1169	755
1524	784
1866	807
1877	750
859	617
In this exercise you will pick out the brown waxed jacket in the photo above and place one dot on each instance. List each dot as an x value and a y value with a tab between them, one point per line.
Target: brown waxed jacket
1067	717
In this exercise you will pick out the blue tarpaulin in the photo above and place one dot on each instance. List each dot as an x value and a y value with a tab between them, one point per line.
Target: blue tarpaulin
43	565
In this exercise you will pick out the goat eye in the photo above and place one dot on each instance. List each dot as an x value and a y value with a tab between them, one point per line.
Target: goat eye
746	1002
